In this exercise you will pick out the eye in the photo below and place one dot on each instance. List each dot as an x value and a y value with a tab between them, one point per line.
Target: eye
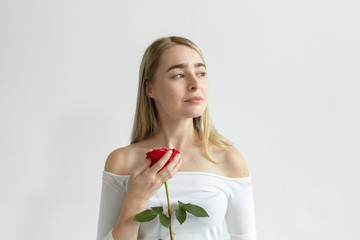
202	74
178	76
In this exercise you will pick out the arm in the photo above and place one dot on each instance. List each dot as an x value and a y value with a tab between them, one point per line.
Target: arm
119	206
113	194
240	215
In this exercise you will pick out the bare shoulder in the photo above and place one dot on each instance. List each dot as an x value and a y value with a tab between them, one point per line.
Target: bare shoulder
116	161
234	164
122	161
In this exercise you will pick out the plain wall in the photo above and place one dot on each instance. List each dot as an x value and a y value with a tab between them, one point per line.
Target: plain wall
284	87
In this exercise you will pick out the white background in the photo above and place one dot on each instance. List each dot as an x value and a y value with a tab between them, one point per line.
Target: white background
284	87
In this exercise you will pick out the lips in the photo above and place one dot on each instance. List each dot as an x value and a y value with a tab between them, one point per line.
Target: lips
196	98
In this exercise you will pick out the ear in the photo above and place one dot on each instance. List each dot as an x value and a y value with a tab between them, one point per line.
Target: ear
148	90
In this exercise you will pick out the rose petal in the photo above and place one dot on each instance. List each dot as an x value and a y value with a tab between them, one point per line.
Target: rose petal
156	154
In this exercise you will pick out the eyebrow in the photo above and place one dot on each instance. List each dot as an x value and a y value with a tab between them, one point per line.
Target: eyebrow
185	65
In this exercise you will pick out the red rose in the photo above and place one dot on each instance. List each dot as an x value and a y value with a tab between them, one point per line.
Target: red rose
156	154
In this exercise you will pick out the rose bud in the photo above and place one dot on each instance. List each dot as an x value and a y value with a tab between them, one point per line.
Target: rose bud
156	154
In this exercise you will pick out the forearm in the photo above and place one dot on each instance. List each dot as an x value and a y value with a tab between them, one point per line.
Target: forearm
126	227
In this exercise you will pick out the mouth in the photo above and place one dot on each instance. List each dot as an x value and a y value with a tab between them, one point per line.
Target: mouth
194	99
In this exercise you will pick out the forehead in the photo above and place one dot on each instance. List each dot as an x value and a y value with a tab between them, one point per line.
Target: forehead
179	54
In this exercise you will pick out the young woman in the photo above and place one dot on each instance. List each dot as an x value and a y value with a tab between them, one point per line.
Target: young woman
172	112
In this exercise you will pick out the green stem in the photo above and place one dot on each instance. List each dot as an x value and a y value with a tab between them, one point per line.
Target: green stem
169	209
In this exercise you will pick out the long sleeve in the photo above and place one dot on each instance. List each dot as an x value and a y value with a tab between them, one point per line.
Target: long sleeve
240	214
112	198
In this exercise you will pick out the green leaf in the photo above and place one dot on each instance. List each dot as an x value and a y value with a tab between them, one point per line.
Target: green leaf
194	210
180	215
158	210
164	220
145	216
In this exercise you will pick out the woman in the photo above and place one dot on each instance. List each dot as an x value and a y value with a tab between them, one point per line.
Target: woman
172	112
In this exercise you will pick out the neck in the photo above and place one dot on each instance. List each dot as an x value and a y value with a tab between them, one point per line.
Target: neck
179	134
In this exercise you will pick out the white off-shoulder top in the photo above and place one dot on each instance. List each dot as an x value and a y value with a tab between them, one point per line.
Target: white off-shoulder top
225	199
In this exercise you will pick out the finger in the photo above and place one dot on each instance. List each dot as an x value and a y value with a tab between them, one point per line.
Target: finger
157	166
146	164
171	168
175	169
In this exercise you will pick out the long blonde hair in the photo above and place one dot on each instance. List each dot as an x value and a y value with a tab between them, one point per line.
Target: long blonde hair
146	122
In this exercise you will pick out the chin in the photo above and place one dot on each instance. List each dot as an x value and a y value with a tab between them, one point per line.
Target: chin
195	114
191	113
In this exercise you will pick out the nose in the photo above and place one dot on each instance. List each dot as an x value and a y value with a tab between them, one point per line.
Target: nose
194	82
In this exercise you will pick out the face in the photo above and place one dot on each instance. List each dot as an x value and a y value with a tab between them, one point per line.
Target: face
180	76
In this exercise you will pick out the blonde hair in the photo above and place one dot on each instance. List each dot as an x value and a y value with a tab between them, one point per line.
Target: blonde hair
146	122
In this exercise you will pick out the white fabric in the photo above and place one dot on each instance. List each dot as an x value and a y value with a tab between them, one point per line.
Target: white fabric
224	199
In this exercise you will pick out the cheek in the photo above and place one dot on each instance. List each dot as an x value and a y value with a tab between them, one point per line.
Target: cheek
169	95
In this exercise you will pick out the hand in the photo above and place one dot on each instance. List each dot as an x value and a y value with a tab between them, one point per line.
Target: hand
146	180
